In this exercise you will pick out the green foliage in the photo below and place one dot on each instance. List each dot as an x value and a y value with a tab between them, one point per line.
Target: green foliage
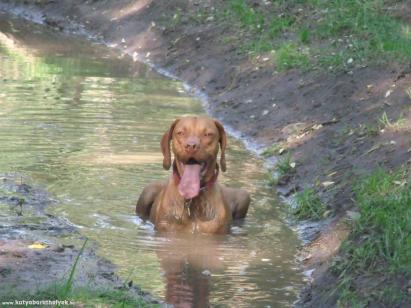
368	129
82	296
380	243
284	166
274	149
69	284
305	36
272	179
363	30
279	24
288	56
308	205
336	31
385	122
248	17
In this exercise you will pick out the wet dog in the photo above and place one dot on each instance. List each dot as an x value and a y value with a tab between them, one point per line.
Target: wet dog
191	199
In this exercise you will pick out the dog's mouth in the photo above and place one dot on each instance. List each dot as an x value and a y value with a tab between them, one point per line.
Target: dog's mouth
193	171
193	161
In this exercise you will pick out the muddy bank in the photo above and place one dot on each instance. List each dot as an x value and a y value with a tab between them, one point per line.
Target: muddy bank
332	124
38	250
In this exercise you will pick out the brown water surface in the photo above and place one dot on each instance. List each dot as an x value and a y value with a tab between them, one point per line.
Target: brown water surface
86	125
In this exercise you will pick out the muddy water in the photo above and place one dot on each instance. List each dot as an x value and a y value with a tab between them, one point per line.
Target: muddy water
86	125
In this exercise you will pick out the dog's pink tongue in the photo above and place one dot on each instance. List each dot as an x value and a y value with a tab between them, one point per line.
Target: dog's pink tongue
189	186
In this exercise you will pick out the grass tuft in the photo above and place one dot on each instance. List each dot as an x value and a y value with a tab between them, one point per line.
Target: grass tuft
69	284
289	56
380	244
285	166
275	149
308	205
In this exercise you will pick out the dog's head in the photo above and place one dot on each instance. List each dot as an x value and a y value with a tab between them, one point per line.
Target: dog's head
196	142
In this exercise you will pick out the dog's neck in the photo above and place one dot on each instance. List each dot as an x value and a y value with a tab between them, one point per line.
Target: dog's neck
204	185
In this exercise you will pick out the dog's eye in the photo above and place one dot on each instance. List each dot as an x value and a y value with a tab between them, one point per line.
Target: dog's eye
208	134
180	133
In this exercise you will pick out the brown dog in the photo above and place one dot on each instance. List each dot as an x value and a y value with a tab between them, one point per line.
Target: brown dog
191	199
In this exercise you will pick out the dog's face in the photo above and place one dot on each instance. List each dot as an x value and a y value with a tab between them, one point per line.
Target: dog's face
195	144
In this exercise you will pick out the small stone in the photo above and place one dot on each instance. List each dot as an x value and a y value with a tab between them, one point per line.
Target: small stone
206	273
327	183
350	60
265	112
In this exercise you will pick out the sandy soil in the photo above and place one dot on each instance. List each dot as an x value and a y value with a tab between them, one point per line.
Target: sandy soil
329	122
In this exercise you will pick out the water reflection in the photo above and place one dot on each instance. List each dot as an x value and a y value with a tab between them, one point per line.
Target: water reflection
87	126
187	265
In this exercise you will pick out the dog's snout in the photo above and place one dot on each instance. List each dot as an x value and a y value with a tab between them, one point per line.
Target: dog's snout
192	145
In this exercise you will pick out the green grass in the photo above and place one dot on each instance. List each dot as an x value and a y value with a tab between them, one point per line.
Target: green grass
84	296
272	178
289	56
371	30
284	166
380	243
248	17
385	122
275	149
308	205
335	31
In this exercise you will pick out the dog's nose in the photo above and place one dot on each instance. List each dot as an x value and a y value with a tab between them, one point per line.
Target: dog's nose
192	145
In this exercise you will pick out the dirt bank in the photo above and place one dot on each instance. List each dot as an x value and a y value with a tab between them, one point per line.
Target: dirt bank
38	250
335	125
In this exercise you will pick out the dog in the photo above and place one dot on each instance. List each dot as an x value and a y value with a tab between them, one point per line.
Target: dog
191	200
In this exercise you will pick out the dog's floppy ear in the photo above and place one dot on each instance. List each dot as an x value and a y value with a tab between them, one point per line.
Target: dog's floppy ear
223	145
165	145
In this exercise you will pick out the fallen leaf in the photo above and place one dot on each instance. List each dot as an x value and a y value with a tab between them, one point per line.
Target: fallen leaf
327	183
37	246
332	174
400	183
388	93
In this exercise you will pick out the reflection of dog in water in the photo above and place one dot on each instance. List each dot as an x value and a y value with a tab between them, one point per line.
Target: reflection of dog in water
191	199
187	264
